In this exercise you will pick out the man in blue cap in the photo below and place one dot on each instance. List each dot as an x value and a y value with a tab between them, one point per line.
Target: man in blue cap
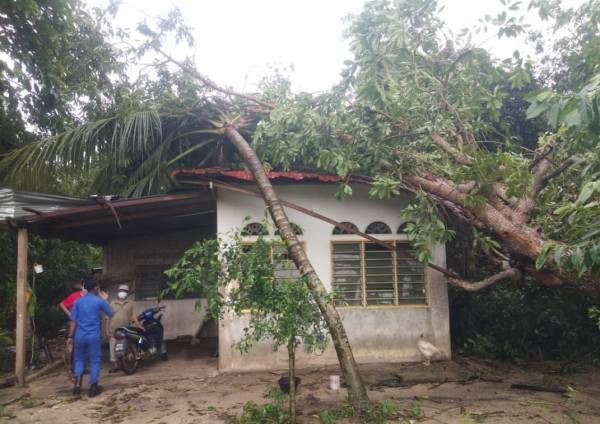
85	332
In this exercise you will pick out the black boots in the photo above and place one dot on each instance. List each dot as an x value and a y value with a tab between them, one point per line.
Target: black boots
77	386
95	390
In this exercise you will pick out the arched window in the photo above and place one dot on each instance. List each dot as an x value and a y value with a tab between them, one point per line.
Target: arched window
402	227
378	227
339	230
295	227
255	229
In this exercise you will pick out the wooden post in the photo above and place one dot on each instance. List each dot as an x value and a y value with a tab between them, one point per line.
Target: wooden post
21	305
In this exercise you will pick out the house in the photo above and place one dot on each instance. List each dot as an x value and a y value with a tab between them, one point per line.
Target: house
387	299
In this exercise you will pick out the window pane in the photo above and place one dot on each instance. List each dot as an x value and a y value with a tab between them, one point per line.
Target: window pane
284	267
347	274
150	281
379	274
411	277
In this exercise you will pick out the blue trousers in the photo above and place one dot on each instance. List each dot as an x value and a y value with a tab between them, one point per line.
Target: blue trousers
87	348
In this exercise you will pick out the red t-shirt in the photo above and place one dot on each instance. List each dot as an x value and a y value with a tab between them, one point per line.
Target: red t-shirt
70	300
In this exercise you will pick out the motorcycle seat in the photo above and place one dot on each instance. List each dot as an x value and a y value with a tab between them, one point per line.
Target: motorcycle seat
133	330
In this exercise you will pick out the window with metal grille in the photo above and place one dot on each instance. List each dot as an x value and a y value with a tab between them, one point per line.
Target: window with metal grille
367	274
342	230
378	227
150	281
297	229
284	267
255	229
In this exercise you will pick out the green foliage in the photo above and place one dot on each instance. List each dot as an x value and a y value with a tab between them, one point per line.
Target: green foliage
491	167
594	313
28	403
199	271
415	411
6	338
425	229
379	413
580	221
273	412
524	321
64	263
384	188
160	126
282	310
279	309
56	66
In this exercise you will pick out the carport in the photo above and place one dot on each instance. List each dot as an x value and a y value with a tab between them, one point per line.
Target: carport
98	220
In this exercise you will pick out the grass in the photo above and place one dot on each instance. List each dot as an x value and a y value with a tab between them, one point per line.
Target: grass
29	403
376	414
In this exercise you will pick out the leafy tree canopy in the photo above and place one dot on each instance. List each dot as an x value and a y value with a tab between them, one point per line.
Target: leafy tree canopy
56	67
418	108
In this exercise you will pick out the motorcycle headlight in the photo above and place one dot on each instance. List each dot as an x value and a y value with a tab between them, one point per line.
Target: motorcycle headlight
119	335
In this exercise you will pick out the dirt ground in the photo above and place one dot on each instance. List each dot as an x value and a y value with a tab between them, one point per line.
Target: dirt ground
188	389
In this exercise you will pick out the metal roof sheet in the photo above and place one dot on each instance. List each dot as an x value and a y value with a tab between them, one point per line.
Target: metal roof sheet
103	220
15	204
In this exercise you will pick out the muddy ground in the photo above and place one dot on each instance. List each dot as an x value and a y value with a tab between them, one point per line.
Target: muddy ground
188	389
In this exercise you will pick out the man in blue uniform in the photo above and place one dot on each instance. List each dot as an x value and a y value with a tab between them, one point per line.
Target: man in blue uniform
85	332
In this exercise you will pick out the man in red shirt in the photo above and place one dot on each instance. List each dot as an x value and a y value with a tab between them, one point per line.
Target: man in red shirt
67	304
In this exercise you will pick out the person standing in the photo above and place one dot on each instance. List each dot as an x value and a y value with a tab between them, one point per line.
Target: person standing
85	334
66	305
69	301
123	315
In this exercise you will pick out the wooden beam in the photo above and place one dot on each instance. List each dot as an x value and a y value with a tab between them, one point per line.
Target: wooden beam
316	215
21	305
165	212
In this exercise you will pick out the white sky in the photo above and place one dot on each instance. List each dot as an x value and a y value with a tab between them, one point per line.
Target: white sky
237	41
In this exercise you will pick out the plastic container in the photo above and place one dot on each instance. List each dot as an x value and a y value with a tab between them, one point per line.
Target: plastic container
284	383
334	382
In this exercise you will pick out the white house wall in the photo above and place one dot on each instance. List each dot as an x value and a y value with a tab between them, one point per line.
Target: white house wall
377	334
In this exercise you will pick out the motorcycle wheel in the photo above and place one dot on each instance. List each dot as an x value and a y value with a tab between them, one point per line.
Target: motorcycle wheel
128	362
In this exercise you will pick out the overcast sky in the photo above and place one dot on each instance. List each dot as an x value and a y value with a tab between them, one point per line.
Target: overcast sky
237	41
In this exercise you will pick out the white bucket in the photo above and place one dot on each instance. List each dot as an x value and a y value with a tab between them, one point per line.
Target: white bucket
38	268
334	382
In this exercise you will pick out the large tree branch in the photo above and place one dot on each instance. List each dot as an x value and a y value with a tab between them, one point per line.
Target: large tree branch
570	161
541	177
209	83
519	239
540	170
458	156
539	167
509	274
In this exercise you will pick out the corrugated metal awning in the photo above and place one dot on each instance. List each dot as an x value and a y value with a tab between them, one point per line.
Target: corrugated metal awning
104	219
15	204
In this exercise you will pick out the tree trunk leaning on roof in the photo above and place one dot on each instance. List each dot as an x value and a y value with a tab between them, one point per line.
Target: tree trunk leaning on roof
357	394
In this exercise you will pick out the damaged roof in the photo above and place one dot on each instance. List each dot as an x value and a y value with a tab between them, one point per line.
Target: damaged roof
15	204
101	220
226	174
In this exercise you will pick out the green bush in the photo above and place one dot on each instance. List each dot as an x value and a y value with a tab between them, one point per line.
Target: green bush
379	413
273	412
523	321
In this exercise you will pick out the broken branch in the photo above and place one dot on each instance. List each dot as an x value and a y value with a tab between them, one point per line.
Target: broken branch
572	160
451	150
511	274
208	82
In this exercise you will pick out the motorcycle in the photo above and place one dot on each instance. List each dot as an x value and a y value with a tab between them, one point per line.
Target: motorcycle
134	344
